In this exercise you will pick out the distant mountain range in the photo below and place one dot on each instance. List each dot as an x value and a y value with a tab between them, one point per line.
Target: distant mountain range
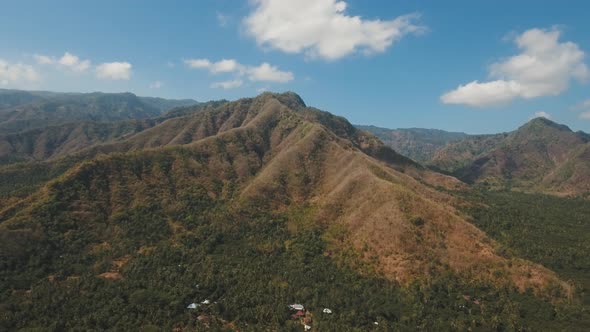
25	110
419	144
540	156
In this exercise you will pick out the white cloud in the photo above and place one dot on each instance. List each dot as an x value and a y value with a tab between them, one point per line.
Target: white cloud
222	66
17	74
585	115
114	71
262	73
321	28
228	84
73	62
156	85
267	73
541	115
68	60
544	67
44	59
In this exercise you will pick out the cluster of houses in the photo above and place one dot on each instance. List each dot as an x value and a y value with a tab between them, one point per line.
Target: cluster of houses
305	316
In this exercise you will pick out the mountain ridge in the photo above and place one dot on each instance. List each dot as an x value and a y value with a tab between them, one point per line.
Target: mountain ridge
539	156
34	110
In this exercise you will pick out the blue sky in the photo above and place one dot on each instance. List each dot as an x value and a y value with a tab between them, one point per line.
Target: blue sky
473	66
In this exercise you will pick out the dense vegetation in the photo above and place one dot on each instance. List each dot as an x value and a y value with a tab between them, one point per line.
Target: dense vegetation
250	264
205	205
549	230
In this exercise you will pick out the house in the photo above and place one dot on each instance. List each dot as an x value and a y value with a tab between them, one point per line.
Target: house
327	311
206	302
297	307
307	327
192	306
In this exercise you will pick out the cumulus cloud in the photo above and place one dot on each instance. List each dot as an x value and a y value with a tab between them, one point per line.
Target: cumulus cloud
17	74
541	115
114	71
44	59
265	72
228	84
222	66
323	29
73	62
544	67
68	61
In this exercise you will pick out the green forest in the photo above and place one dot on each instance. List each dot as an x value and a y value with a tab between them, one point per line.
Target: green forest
251	265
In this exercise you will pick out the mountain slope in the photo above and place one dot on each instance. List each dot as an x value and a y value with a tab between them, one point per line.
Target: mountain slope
12	98
459	154
32	110
539	156
165	105
59	141
256	149
264	185
416	143
62	140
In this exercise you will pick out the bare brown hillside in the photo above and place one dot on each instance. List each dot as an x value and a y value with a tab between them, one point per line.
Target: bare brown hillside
378	210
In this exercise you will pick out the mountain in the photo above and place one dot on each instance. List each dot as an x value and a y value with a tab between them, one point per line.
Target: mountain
24	110
165	105
12	98
540	156
458	154
419	144
244	208
57	141
61	140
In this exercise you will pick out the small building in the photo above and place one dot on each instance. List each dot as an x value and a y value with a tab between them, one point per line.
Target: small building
327	311
192	306
298	307
206	302
307	327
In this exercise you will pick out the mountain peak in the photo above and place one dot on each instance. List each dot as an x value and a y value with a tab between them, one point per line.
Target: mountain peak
542	122
289	98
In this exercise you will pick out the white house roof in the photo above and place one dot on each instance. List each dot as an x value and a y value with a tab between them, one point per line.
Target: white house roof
297	307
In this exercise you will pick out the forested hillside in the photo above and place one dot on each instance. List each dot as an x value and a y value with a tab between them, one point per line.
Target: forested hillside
419	144
243	208
24	110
